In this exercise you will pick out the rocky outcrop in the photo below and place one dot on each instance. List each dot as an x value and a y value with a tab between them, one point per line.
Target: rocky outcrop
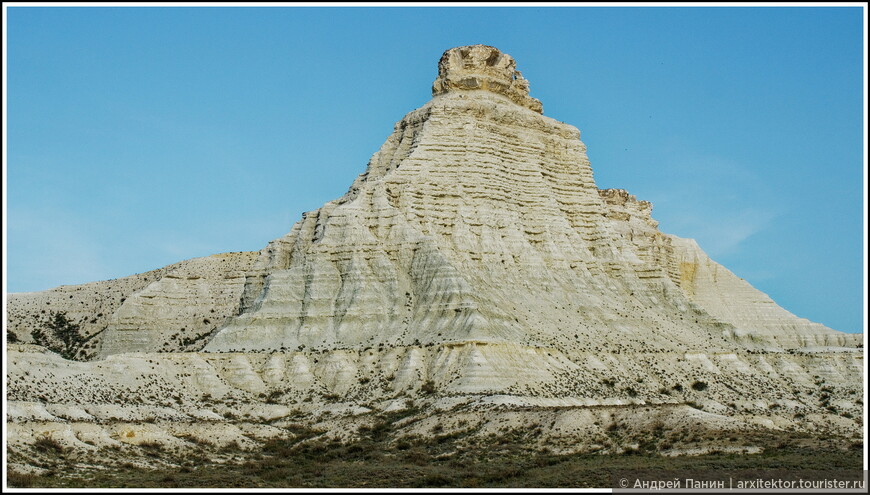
169	309
180	309
89	305
475	259
479	220
756	318
483	68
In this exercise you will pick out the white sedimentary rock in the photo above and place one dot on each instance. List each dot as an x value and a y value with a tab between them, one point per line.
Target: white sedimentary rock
474	258
479	220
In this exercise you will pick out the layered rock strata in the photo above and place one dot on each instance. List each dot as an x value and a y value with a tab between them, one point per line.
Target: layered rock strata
479	220
169	309
474	259
181	400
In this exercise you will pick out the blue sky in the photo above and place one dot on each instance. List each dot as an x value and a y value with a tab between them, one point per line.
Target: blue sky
139	137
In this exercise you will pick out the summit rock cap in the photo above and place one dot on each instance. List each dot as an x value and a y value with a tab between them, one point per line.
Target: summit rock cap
483	67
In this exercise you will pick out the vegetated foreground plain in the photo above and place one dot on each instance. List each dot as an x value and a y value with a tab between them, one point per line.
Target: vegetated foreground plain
379	459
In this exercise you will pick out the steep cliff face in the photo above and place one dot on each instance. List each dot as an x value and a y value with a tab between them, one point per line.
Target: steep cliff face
479	220
474	259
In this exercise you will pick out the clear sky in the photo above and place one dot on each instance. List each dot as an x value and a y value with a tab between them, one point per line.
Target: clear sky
139	137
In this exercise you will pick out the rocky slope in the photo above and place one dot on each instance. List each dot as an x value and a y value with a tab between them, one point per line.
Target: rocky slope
169	309
475	263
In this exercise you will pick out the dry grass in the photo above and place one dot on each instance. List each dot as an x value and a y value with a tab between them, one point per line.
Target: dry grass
377	459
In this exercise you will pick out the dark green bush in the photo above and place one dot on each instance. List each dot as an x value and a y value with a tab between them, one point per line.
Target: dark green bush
61	335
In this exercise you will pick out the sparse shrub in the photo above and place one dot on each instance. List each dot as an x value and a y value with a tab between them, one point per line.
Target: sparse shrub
60	335
417	456
380	430
151	445
19	480
48	445
433	480
699	386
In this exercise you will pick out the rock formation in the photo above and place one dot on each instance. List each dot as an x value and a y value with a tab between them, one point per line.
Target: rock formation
475	259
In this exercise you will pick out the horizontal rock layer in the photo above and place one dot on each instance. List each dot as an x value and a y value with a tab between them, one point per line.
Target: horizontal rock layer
176	398
480	219
474	259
